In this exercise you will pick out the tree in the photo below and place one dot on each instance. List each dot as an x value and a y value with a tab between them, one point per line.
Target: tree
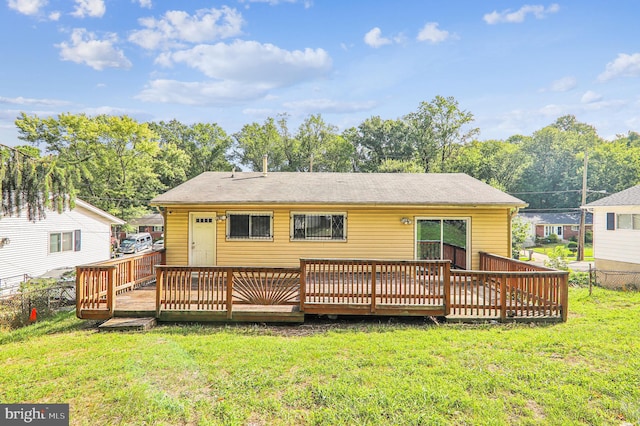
255	140
519	232
110	160
321	148
32	184
376	140
191	150
438	129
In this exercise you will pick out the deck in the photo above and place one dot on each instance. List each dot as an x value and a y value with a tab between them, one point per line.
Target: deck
142	286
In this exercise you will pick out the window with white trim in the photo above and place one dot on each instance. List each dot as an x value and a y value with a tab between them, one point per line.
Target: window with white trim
628	221
65	241
575	228
318	226
249	226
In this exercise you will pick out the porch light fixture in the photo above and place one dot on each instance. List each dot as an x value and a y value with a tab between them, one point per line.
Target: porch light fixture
4	241
406	221
221	218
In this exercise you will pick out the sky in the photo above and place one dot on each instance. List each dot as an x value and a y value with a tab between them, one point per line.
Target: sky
516	66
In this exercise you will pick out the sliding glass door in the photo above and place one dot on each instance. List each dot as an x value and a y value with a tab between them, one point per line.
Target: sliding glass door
443	239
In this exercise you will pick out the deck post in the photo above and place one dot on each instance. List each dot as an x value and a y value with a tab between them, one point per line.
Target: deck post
159	285
564	287
374	267
503	298
111	293
131	275
79	290
229	292
446	277
303	283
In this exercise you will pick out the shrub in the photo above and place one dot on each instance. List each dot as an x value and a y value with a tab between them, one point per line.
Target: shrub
573	239
553	238
573	247
588	236
579	279
557	259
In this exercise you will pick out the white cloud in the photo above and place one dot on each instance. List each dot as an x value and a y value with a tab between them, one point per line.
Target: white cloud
85	48
590	97
329	106
177	26
145	3
374	38
31	101
250	61
623	66
211	93
92	8
54	16
307	3
432	34
507	16
27	7
563	85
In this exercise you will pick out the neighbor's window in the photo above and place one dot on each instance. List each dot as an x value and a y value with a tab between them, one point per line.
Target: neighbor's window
258	226
575	228
64	241
628	221
318	226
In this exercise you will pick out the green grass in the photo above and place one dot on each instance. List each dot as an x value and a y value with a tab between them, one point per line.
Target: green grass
583	372
548	248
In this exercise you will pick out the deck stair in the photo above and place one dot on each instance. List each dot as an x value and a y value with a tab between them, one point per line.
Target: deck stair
128	324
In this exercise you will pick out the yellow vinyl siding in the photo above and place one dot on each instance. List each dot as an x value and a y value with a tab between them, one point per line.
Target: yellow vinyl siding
372	232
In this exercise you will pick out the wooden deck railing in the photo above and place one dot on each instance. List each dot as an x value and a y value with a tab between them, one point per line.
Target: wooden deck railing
97	284
505	289
219	288
347	286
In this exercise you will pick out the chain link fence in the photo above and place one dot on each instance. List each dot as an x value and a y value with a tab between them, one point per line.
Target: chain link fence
16	306
618	280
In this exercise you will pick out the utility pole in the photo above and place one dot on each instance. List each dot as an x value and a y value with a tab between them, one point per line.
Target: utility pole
583	212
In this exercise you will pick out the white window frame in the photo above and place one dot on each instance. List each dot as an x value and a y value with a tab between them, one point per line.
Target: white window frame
61	248
633	219
575	228
318	239
249	213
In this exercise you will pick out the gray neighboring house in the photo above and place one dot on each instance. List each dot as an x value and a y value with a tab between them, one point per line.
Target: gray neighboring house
564	225
617	237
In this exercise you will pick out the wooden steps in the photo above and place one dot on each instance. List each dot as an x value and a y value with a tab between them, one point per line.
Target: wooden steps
128	324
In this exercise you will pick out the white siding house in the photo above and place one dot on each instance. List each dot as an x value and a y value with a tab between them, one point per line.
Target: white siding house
616	222
75	237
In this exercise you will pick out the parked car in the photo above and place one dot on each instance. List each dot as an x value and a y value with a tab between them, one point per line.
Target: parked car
158	245
135	243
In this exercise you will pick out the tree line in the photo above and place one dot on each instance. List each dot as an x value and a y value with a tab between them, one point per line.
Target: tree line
119	164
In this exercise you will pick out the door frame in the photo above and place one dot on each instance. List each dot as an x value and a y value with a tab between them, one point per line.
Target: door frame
443	218
192	217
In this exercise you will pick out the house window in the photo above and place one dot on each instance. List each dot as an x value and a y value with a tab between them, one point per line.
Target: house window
611	221
575	228
318	226
65	241
552	229
252	226
628	221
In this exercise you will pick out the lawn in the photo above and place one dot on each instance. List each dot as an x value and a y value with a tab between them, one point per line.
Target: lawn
548	248
583	372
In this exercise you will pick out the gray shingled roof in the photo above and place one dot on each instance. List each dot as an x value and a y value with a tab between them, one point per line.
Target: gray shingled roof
556	218
628	197
336	188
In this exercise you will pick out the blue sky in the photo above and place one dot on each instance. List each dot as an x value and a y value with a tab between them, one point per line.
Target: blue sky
516	66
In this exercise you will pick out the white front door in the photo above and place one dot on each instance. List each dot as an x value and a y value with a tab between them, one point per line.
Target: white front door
202	239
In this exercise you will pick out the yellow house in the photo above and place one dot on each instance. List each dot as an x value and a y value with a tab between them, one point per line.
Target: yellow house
275	219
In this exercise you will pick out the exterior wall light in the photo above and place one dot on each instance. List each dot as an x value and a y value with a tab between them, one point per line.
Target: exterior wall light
221	218
406	221
4	241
